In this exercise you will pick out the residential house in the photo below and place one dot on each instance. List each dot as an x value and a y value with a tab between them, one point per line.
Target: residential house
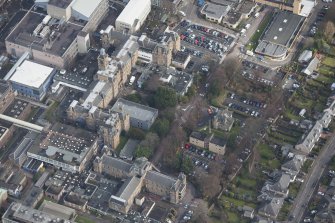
212	143
293	165
223	120
309	140
217	145
276	186
311	67
305	56
198	139
271	208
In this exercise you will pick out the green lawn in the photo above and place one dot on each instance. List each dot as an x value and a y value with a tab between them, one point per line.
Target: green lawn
307	165
325	70
82	219
329	61
227	201
50	113
268	158
123	141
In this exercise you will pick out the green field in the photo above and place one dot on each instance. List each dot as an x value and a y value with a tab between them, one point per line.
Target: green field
329	61
82	219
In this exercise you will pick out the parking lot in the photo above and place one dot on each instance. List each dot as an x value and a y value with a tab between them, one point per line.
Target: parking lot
319	19
245	105
204	40
260	74
200	157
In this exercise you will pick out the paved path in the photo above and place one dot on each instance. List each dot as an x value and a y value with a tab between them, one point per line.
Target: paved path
312	179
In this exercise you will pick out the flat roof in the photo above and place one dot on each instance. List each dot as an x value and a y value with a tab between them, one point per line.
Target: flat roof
31	74
16	108
283	28
279	35
27	214
23	34
58	210
64	143
135	110
85	7
214	10
3	130
132	11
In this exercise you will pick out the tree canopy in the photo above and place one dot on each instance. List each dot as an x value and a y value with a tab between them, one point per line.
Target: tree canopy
165	97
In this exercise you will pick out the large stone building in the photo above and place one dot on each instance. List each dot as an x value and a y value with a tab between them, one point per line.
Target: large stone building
108	124
112	75
139	175
57	38
159	51
141	116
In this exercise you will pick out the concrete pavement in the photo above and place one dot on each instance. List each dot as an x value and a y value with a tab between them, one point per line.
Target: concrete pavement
312	179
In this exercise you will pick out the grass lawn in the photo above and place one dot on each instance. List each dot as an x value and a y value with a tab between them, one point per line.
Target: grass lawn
324	70
268	158
234	217
329	61
284	211
294	189
218	101
50	113
123	141
82	219
288	114
307	165
227	201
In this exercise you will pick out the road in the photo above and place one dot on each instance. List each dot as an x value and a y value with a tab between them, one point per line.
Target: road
307	189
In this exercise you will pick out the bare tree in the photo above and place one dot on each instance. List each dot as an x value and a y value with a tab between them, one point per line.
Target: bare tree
329	30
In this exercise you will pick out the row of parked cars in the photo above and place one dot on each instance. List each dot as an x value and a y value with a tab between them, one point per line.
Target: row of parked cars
251	102
213	32
200	152
202	41
243	109
191	52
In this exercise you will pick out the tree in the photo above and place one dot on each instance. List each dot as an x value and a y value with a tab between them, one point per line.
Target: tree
136	97
147	146
165	97
191	91
329	31
144	151
209	185
136	133
162	127
183	163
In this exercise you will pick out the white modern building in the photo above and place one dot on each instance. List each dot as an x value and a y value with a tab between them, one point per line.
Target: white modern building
133	16
30	79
